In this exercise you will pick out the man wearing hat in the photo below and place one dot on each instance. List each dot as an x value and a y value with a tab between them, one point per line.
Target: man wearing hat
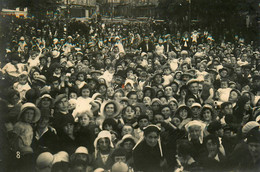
193	90
45	138
61	112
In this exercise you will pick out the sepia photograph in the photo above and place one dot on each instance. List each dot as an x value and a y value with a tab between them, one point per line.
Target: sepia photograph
129	85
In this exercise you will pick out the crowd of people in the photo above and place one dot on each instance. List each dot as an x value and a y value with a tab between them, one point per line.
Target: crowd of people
94	96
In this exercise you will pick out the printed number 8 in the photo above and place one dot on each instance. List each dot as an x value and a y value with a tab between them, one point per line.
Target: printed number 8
18	155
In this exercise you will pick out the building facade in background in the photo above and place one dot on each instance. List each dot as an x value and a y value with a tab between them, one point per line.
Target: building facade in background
80	8
128	8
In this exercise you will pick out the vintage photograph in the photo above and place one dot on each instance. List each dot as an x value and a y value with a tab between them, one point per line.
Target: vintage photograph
129	85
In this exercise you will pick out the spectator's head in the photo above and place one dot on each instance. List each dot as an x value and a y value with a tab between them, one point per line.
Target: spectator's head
234	95
223	72
44	162
193	86
127	129
23	78
84	118
195	130
29	113
110	109
61	103
129	113
184	148
215	128
103	142
158	118
151	135
82	154
226	108
119	155
166	111
183	112
45	101
212	143
120	167
85	91
132	96
207	113
143	121
119	93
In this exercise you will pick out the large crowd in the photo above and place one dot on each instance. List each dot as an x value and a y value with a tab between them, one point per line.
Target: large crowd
124	97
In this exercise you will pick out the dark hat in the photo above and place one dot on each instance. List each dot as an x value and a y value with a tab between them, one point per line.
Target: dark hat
59	98
214	126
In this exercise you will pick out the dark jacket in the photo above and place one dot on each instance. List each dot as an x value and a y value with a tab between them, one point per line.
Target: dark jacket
146	158
67	144
85	137
47	142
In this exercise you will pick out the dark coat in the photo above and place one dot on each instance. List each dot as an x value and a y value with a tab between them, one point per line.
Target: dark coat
67	144
59	119
47	142
146	158
85	137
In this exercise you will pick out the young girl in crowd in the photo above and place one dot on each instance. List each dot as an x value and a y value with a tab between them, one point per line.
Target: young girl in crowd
22	85
80	82
85	102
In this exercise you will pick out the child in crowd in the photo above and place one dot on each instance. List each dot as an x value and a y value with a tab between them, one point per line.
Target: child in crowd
83	133
22	85
222	93
34	59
